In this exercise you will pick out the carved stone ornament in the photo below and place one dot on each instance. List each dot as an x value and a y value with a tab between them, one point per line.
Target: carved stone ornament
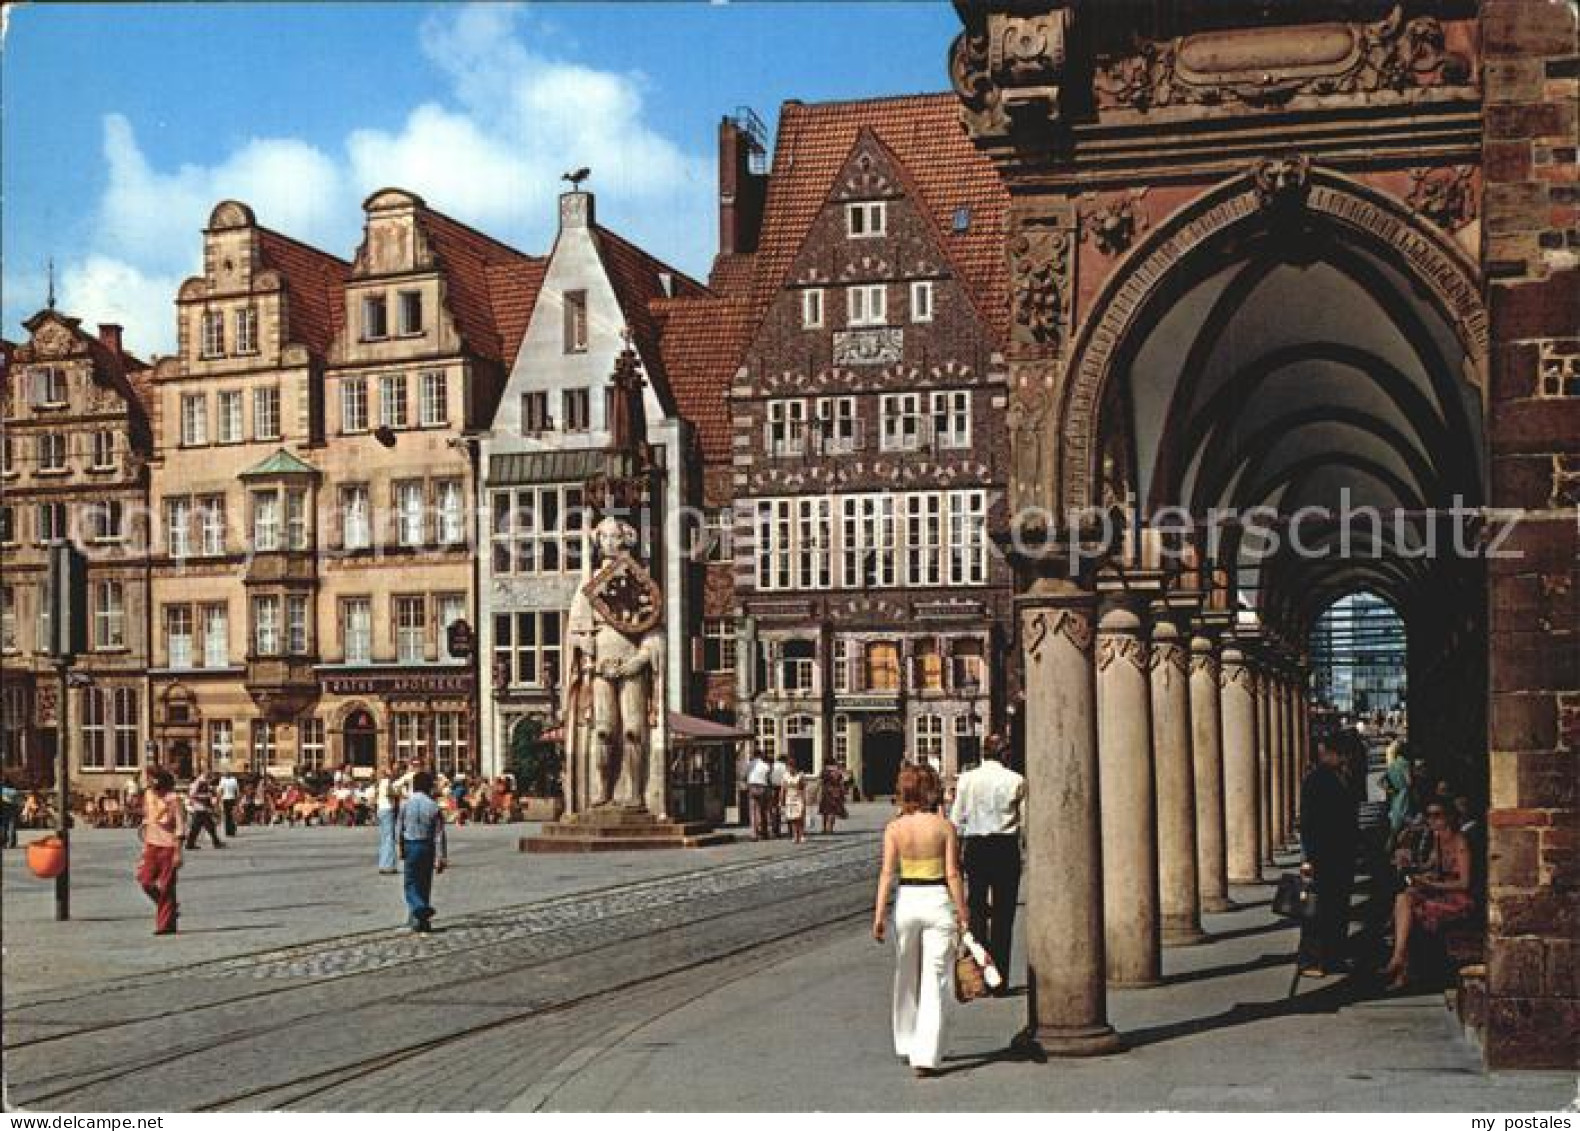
1038	265
53	341
625	595
1112	226
1013	62
1282	183
1444	196
881	346
1202	662
1168	655
1120	646
1027	410
1268	66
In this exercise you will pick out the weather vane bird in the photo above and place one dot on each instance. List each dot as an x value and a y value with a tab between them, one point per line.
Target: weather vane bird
577	177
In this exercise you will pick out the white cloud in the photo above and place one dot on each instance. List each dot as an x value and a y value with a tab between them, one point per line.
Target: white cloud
490	154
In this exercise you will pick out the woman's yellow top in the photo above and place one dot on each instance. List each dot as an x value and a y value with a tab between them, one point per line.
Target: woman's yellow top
932	869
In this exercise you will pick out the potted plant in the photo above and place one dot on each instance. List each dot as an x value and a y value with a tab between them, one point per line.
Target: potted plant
46	857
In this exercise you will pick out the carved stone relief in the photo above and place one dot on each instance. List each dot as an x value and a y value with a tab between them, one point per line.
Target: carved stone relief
1010	63
1120	646
1282	183
1112	224
1261	67
1039	268
880	346
1444	196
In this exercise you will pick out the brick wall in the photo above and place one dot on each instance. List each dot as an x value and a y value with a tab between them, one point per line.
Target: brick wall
1532	241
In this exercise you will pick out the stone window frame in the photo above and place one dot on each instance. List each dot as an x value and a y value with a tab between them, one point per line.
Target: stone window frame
718	634
104	450
375	316
210	613
410	629
405	303
109	615
52	454
576	332
211	334
354	418
576	408
246	326
839	425
536	417
411	518
8	525
49	378
433	399
515	527
364	526
183	613
106	521
262	625
892	413
298	630
223	400
194	420
9	640
345	605
922	308
212	530
785	427
311	745
509	648
261	748
266	414
394	404
927	730
221	753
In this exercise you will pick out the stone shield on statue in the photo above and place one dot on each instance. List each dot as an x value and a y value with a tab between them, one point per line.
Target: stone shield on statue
627	597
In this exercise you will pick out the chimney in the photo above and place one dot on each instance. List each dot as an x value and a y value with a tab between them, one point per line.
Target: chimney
110	337
742	186
576	210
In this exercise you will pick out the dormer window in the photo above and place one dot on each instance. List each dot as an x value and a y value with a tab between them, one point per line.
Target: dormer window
247	330
867	219
49	387
411	312
575	321
213	333
375	318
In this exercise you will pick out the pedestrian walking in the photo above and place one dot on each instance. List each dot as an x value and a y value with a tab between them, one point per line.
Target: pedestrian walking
164	828
776	781
387	805
229	798
792	799
200	799
989	811
831	795
1329	831
920	850
757	790
424	848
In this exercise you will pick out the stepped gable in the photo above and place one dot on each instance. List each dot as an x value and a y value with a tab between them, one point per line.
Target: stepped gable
636	278
702	342
315	288
473	265
947	173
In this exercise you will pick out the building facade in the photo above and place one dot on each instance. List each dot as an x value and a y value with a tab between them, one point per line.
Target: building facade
870	448
76	441
550	437
235	500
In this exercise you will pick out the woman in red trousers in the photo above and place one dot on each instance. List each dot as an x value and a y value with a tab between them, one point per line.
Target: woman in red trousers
164	827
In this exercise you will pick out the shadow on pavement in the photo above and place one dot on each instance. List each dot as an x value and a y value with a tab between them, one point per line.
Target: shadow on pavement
1328	999
1265	962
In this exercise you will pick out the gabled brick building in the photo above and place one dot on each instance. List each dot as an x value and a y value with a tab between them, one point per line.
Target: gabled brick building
76	442
869	449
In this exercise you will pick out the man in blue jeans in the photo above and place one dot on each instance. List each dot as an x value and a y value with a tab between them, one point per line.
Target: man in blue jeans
423	847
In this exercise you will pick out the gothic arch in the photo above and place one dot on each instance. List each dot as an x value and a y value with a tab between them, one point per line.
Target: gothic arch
1341	205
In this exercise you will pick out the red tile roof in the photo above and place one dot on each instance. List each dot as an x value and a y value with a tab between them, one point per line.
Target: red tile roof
732	274
473	264
637	280
513	287
923	131
315	288
702	344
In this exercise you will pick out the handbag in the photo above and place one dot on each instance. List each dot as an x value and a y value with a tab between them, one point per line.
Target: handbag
1295	898
975	973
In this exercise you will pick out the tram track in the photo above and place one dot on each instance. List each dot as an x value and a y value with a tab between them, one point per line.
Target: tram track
830	890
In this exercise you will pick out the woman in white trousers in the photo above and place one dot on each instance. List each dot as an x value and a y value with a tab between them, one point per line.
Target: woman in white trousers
921	852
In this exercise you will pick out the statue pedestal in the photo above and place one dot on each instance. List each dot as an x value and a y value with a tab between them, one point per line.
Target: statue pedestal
621	830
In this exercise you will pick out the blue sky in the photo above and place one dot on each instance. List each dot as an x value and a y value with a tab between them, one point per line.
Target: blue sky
123	125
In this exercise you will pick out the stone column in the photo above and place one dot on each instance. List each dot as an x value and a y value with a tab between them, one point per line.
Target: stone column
1264	779
1275	759
1291	751
1206	720
1064	859
1129	810
1240	786
1179	898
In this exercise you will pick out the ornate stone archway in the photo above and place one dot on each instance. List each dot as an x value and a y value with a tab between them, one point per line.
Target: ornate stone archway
1343	206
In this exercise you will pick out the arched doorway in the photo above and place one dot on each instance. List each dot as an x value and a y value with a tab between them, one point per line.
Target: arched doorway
361	739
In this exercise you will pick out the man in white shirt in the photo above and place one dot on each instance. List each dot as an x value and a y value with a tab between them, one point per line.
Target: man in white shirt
229	795
757	789
989	811
776	779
